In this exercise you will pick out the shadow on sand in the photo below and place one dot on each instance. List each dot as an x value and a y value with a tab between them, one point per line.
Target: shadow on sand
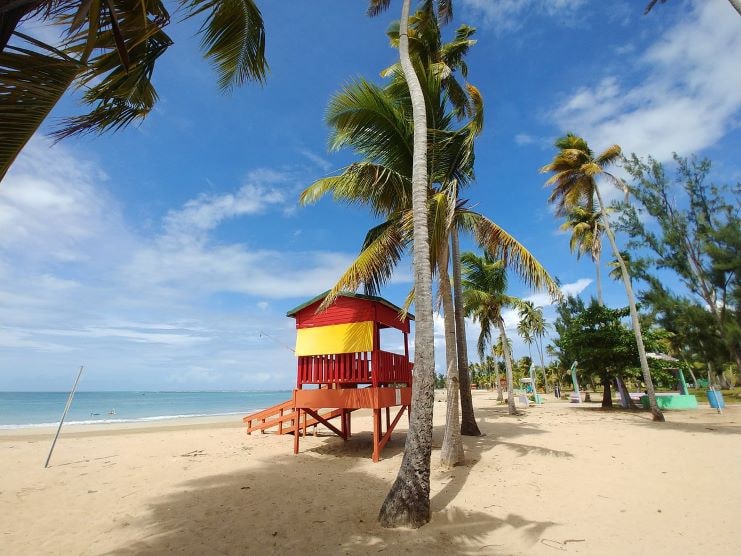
212	515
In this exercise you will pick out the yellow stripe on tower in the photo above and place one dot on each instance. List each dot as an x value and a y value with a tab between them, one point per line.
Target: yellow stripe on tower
336	338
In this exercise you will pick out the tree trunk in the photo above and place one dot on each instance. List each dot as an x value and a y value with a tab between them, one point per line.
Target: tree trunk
606	393
599	280
468	419
657	414
542	363
408	501
508	365
451	453
500	396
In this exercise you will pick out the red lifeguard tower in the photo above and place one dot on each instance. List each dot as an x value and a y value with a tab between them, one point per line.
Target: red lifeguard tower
341	368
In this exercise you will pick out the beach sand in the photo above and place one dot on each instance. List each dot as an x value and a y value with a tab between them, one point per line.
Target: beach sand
558	478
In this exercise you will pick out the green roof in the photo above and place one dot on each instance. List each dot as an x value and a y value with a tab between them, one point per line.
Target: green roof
321	296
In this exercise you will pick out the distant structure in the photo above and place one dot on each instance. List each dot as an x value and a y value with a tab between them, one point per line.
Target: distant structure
341	368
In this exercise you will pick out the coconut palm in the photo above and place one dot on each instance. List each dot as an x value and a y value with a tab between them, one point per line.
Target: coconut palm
408	501
484	298
585	225
575	170
532	323
497	350
110	48
361	114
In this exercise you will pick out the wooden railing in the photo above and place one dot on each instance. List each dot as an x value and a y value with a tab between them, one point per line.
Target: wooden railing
372	367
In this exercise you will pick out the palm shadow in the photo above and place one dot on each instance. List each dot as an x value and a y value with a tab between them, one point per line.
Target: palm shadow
330	511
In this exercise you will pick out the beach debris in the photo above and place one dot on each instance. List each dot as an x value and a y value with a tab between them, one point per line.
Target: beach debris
193	454
558	545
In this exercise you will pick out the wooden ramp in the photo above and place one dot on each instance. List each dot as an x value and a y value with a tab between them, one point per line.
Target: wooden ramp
282	416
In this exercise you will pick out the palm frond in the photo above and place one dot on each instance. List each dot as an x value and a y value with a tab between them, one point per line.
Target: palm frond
381	252
501	245
362	116
363	183
120	94
233	37
31	83
377	7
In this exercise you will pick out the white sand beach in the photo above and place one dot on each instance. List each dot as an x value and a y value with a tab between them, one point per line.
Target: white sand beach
558	478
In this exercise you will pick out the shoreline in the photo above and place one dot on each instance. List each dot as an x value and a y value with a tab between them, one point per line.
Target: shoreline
79	430
556	477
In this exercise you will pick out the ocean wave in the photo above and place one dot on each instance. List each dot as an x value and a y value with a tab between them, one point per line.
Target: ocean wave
133	420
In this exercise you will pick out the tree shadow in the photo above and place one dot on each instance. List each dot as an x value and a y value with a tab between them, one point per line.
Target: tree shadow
359	445
526	449
329	508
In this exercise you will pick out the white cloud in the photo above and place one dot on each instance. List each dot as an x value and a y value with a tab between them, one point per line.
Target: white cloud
322	163
524	139
542	299
689	98
510	15
78	284
208	211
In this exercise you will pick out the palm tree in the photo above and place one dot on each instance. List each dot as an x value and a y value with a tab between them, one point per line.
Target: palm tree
497	350
586	237
533	323
360	115
484	298
575	170
408	501
110	49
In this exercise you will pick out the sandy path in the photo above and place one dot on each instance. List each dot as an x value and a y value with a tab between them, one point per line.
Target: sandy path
556	479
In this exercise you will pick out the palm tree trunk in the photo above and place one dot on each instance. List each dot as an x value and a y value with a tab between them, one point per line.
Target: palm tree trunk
599	280
508	365
658	415
542	362
736	5
468	419
408	501
500	396
451	453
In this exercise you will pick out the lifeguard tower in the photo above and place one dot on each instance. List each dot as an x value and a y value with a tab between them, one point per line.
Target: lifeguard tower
341	368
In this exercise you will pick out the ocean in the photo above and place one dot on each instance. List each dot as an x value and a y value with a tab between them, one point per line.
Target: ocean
35	409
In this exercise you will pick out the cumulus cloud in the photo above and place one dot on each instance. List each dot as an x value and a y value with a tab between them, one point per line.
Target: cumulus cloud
143	310
511	15
688	98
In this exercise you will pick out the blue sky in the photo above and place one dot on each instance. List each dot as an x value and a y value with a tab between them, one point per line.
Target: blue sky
158	255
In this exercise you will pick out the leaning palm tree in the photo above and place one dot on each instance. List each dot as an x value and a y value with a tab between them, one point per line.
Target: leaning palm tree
575	171
408	501
585	225
109	48
484	298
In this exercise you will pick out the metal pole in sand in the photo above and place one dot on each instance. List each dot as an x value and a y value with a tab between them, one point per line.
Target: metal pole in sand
66	409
